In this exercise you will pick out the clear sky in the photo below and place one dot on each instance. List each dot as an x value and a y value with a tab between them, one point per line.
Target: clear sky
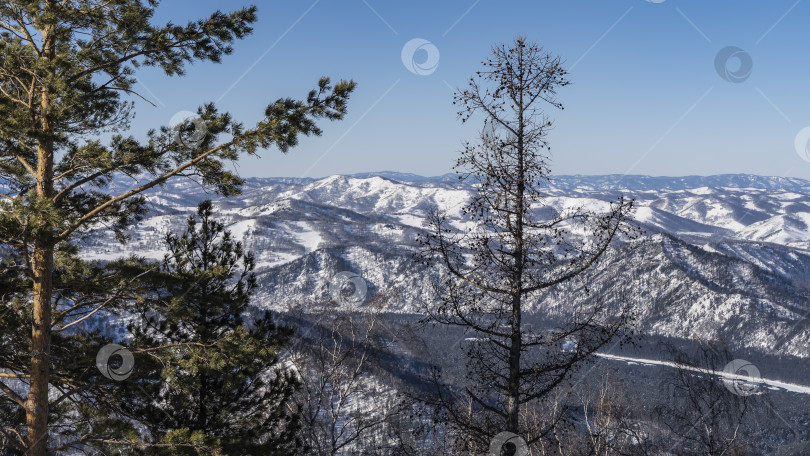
646	98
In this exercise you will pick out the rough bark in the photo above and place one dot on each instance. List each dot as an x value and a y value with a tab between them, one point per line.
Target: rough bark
37	402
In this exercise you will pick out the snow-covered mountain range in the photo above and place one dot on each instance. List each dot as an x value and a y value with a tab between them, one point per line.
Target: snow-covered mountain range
725	256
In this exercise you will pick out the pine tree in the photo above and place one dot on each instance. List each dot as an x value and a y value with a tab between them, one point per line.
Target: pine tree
67	76
211	377
518	247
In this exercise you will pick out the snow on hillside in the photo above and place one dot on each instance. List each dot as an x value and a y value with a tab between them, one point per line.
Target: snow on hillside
723	256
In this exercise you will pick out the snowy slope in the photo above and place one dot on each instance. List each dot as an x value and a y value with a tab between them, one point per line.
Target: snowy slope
724	256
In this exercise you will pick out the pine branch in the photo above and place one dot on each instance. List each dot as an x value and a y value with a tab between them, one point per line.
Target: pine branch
12	395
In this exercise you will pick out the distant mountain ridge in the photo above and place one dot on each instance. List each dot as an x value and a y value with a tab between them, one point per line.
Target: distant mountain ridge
637	182
724	256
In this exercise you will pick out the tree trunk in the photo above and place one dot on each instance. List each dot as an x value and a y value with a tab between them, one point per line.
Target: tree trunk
36	413
37	403
513	407
37	407
515	380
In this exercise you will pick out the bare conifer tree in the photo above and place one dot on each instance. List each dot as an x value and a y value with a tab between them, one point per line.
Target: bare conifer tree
515	249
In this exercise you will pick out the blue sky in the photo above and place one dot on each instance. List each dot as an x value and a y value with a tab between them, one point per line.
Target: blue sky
646	96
